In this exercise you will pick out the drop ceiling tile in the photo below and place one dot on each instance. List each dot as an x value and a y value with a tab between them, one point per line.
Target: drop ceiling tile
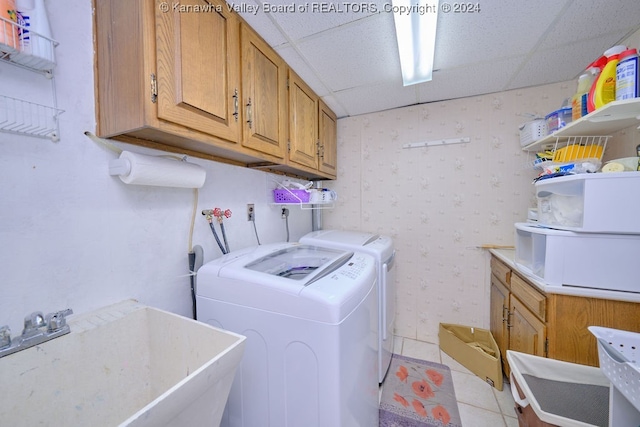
385	96
591	19
262	23
499	30
300	66
355	55
560	64
472	80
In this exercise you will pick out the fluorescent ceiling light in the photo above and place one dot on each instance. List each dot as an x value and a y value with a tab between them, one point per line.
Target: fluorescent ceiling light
415	22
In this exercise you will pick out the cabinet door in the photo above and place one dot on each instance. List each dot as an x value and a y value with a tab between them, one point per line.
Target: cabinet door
527	333
499	301
264	82
198	68
327	137
303	119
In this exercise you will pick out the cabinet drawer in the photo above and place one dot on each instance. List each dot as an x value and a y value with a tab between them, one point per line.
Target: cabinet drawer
501	271
533	299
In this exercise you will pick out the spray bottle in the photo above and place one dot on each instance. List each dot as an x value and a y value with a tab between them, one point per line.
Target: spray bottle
596	69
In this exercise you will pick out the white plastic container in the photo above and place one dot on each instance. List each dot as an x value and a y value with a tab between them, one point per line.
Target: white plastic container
588	260
619	357
532	131
591	203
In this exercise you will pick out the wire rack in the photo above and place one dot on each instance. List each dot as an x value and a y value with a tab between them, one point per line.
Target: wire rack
20	116
28	118
569	149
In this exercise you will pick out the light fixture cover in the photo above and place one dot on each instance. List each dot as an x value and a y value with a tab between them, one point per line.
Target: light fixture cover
415	22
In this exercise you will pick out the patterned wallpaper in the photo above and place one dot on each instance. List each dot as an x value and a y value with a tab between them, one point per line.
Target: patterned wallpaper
439	203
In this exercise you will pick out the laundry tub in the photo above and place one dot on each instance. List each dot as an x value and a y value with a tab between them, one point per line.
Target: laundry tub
127	365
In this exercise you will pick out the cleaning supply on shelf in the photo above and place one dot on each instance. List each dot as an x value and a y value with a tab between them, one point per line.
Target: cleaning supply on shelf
595	68
603	89
579	102
8	31
35	38
627	77
584	84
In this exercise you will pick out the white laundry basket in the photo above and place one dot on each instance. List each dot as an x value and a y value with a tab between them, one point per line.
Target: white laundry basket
560	393
619	356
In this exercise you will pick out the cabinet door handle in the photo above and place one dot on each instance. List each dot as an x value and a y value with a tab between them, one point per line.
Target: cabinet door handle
235	104
509	314
505	316
249	114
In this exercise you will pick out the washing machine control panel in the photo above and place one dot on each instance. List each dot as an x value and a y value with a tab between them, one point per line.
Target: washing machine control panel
354	268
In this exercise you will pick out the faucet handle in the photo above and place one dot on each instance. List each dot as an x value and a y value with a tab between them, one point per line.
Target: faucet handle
5	337
32	322
57	320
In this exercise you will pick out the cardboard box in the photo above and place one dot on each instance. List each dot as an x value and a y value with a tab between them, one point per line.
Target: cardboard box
475	349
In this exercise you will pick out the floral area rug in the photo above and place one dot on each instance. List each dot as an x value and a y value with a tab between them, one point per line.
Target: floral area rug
417	393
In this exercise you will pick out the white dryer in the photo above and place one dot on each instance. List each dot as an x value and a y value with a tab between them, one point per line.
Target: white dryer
310	318
381	248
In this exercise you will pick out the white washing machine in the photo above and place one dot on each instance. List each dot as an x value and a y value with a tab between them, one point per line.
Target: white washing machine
310	318
381	248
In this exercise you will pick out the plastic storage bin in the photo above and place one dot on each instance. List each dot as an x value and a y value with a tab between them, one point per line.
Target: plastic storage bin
592	203
550	392
558	119
283	195
619	353
532	131
589	260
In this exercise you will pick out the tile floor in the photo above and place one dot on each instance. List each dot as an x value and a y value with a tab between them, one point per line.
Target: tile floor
480	405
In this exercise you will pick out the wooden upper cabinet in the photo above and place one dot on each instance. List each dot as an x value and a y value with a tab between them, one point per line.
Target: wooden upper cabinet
198	69
303	123
327	137
264	95
193	78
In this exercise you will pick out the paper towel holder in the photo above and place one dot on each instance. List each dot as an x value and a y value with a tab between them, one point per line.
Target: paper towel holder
161	171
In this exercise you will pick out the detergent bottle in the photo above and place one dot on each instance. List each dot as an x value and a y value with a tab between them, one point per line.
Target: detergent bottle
603	89
627	76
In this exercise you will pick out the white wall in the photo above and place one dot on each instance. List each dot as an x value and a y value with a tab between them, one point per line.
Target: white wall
440	203
73	236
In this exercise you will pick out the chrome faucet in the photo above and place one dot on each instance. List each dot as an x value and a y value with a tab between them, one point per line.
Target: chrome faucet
37	329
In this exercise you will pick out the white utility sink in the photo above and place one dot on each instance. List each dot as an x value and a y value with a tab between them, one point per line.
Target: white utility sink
127	365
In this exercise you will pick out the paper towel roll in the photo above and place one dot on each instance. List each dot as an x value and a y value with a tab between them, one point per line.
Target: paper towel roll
140	169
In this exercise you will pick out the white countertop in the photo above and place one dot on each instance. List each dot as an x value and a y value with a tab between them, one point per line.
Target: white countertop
508	257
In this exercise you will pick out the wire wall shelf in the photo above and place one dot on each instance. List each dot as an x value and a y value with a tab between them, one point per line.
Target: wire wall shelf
570	149
36	54
28	118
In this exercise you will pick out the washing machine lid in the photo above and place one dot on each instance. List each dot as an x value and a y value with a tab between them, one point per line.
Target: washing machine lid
381	247
304	263
248	278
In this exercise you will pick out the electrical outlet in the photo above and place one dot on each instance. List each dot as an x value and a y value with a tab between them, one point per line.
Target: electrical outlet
251	212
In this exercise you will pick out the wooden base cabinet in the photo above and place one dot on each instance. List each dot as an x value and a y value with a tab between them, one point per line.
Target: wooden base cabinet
517	314
551	325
